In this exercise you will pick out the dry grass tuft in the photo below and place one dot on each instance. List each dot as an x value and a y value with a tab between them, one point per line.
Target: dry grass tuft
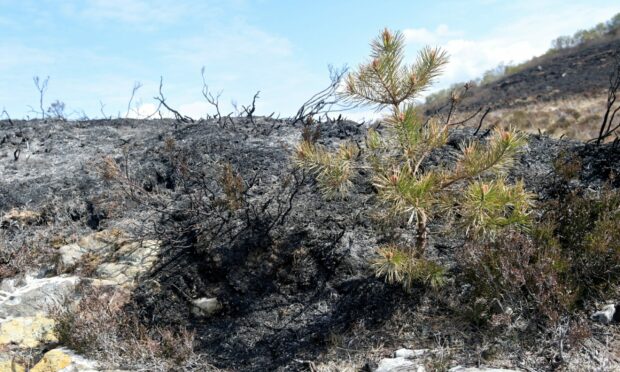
108	169
100	327
24	217
343	366
576	117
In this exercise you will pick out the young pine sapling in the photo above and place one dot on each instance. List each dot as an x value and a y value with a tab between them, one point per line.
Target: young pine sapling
474	189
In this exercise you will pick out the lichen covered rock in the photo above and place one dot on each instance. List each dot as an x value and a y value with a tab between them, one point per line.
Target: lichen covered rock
27	332
61	359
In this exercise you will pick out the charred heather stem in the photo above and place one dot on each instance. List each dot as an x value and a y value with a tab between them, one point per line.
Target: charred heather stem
614	85
482	120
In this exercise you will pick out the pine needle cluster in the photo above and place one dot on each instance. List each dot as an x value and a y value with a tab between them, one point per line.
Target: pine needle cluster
396	265
474	188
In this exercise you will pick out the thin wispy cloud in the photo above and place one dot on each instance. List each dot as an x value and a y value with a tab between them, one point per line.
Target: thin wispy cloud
231	44
22	55
425	36
127	11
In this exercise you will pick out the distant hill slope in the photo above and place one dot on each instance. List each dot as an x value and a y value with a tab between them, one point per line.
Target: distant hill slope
580	71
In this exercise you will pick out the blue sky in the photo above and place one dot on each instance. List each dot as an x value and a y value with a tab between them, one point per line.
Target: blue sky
95	50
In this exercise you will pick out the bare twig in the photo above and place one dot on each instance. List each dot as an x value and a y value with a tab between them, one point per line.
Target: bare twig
466	120
455	100
42	88
235	106
136	85
57	110
81	114
5	113
211	99
610	113
156	111
327	100
101	106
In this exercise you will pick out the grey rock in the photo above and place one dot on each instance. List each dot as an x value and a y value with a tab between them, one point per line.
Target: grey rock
129	261
70	254
606	315
206	306
479	369
399	364
31	296
409	353
100	243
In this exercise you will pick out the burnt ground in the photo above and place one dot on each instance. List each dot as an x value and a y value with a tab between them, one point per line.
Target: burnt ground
290	268
580	71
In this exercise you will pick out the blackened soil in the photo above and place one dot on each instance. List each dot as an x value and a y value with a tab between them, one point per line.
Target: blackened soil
293	268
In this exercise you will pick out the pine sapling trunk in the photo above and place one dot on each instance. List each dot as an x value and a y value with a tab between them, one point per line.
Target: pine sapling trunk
422	233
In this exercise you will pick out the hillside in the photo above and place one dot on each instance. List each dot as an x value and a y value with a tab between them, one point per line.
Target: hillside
150	275
562	93
581	71
251	243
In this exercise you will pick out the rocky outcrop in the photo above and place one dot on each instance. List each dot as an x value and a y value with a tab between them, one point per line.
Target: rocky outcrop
117	260
404	360
26	304
130	261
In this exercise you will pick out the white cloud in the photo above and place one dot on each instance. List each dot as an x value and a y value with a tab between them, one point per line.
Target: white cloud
425	36
471	58
360	116
141	111
196	109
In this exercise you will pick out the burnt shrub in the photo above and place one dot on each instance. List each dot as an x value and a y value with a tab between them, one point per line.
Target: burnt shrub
98	326
569	258
515	274
587	230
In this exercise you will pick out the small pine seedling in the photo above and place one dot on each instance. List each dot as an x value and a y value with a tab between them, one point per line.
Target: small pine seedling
474	188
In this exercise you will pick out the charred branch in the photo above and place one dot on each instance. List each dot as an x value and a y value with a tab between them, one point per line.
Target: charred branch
250	109
326	101
607	127
213	100
162	101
